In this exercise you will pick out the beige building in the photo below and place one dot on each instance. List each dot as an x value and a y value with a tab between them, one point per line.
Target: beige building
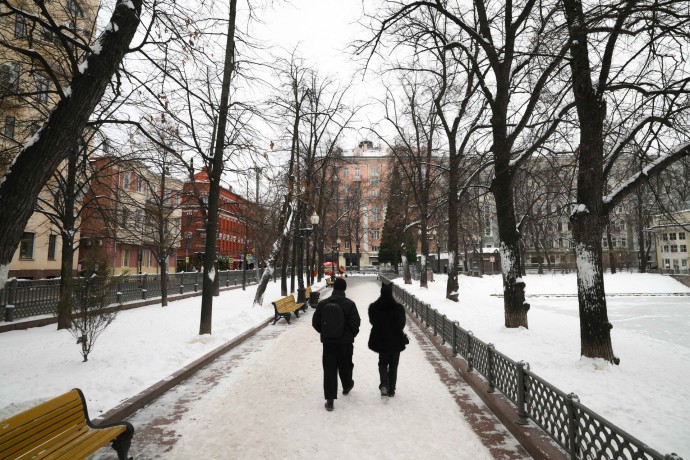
361	199
28	92
672	236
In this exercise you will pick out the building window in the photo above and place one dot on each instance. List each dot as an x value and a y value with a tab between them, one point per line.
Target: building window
374	193
375	214
74	8
375	235
357	173
614	243
125	183
664	236
138	215
124	217
375	181
605	243
667	263
125	257
683	248
26	246
347	244
624	242
41	88
665	249
140	183
375	248
674	248
9	127
19	26
9	76
346	172
681	235
374	171
672	236
52	245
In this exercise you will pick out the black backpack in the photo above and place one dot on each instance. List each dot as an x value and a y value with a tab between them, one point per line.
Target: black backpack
332	321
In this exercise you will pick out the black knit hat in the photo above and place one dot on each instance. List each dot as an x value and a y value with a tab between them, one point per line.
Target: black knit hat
339	283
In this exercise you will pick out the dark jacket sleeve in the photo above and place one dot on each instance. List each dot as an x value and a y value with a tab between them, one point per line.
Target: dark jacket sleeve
353	320
316	319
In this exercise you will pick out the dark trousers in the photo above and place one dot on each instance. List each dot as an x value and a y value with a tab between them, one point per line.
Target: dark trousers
388	369
336	360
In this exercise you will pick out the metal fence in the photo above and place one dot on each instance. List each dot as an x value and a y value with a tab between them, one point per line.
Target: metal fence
577	429
25	298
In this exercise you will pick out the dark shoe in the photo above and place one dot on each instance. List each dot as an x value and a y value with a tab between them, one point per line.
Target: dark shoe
348	389
391	393
384	390
329	405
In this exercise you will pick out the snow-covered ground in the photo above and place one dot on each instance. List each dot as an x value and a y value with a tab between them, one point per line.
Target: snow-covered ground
647	395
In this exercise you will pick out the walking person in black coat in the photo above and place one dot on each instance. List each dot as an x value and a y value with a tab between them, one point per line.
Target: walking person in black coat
387	318
337	351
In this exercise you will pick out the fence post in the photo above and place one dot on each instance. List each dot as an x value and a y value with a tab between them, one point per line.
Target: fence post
443	329
227	278
11	299
572	425
490	359
435	321
521	419
182	283
196	281
470	358
119	290
144	280
456	325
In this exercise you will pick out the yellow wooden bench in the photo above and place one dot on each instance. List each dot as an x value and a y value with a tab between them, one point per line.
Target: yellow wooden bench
307	295
61	429
285	306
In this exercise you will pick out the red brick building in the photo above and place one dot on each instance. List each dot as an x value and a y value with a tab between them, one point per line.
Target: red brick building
232	227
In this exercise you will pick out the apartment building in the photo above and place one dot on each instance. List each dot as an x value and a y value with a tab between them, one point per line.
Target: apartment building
131	218
28	94
672	236
233	241
361	199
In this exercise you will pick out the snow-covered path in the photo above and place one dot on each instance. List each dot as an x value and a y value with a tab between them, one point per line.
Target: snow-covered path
264	399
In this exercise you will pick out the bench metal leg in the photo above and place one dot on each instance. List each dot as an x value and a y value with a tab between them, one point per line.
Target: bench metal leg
122	443
287	317
296	313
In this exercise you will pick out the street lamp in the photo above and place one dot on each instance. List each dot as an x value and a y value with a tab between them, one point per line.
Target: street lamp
335	248
304	233
187	237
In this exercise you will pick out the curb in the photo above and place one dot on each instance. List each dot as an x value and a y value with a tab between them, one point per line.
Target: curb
536	442
133	404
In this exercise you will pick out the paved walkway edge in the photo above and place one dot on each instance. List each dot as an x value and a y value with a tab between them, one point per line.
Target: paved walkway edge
532	438
133	404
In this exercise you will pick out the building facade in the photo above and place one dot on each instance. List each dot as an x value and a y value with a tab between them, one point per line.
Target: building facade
671	234
233	240
27	95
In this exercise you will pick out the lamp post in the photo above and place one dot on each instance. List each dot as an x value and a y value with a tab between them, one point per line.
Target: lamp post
304	233
187	237
334	262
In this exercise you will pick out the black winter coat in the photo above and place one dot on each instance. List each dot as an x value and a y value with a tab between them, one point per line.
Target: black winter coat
387	318
352	319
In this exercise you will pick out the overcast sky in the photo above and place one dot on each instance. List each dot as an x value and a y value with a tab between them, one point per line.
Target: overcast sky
323	30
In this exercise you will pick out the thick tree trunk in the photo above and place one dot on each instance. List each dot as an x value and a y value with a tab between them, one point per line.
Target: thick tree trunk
60	134
589	217
215	173
164	280
64	308
514	304
452	285
406	270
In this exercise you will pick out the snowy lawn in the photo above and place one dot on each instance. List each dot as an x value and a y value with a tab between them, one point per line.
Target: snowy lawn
647	395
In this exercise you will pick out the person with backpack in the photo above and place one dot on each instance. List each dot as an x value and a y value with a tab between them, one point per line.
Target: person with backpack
337	321
387	318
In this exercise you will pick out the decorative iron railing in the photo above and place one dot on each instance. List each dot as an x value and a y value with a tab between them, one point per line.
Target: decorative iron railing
25	298
577	429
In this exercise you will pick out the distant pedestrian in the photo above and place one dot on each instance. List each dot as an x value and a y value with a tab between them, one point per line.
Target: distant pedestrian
387	318
337	321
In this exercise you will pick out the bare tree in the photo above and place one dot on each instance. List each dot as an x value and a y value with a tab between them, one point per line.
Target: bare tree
638	88
41	155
